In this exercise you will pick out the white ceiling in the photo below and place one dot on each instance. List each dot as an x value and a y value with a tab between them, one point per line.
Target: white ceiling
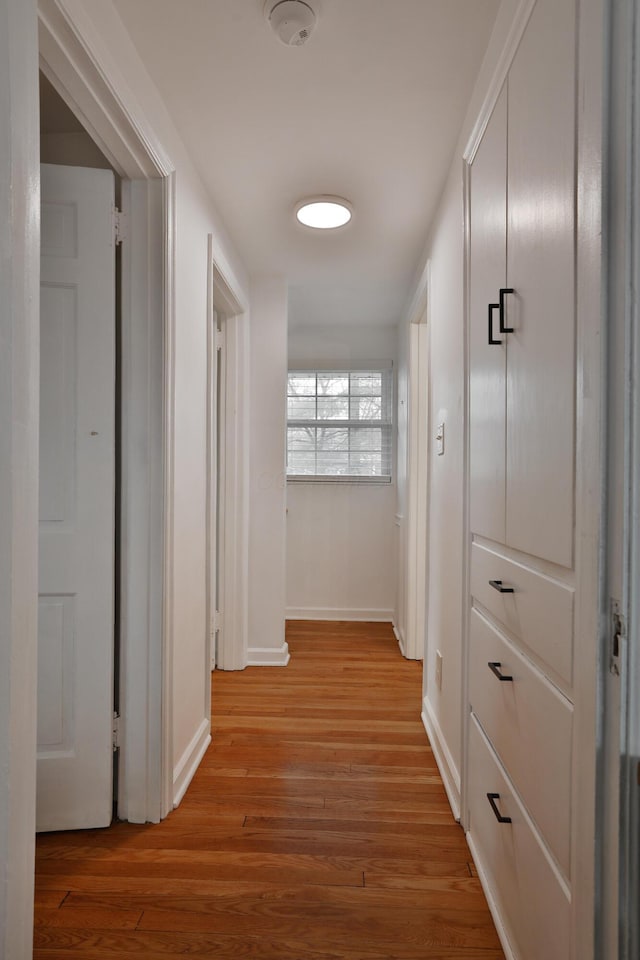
369	109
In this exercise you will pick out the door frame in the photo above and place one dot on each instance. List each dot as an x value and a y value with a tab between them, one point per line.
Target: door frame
620	792
69	60
418	475
224	299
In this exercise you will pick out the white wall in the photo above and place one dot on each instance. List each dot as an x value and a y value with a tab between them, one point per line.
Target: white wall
267	470
446	480
196	218
340	536
19	360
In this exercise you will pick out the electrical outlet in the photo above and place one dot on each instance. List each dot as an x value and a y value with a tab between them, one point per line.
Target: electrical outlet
438	670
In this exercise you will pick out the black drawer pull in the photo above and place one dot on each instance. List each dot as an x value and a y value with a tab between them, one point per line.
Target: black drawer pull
498	585
495	669
492	340
503	292
492	797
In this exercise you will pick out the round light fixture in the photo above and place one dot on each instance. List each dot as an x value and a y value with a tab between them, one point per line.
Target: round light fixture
324	213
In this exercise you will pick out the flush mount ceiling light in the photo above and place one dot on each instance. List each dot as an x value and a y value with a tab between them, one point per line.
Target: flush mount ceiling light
324	213
292	21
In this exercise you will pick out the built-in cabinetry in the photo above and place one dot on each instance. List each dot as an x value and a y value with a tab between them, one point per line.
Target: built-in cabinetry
522	395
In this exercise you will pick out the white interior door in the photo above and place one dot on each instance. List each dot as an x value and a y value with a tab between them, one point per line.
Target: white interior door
77	486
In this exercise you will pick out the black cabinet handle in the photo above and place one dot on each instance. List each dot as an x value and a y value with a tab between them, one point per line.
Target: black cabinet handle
503	292
492	797
495	669
492	340
497	585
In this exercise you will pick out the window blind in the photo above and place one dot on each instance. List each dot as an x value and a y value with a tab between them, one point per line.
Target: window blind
340	423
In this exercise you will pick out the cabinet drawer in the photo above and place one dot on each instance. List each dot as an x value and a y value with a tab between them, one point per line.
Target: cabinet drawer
529	725
539	612
532	901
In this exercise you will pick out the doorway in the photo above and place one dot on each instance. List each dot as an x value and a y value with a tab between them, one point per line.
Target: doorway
78	633
147	188
227	507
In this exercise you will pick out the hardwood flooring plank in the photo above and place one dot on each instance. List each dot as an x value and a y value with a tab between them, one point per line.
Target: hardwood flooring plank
317	828
98	918
332	924
63	944
51	898
242	897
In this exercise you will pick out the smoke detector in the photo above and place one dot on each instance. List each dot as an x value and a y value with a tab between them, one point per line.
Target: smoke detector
292	21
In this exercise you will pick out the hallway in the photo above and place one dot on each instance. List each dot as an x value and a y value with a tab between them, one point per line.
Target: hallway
317	827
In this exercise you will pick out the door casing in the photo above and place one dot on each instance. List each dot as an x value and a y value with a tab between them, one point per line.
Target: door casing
145	781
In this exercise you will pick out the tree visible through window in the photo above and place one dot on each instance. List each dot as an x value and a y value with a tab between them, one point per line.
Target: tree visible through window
339	424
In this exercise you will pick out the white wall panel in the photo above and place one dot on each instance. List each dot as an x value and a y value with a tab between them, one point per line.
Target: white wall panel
340	550
340	536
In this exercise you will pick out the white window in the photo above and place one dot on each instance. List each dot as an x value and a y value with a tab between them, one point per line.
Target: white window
340	423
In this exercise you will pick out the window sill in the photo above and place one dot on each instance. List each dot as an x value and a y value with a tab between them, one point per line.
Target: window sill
302	479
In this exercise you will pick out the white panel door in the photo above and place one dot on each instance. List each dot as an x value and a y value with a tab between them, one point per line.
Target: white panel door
541	250
77	487
487	360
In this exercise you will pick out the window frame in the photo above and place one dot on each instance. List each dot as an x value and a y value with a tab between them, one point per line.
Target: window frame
386	424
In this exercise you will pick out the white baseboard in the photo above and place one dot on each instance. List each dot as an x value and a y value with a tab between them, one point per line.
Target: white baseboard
339	613
493	907
190	761
263	657
446	765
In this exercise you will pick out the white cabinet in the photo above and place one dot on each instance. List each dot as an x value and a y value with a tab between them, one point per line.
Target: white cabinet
534	901
522	384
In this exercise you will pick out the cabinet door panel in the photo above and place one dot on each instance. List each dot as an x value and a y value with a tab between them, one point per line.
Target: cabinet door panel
522	881
539	612
529	724
540	268
487	362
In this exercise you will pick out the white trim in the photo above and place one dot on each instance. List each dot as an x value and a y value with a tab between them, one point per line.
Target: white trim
466	493
234	582
300	478
212	531
19	389
446	765
348	614
259	657
518	26
418	306
83	72
398	634
142	502
591	334
338	366
418	482
190	761
168	474
496	914
629	829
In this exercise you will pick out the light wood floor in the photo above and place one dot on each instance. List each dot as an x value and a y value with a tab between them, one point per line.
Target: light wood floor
317	828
